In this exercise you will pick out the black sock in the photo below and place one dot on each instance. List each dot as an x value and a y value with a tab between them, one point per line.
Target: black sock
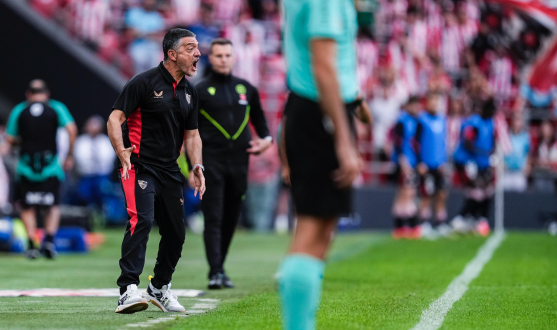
123	289
399	222
31	244
469	207
49	238
413	221
484	208
156	283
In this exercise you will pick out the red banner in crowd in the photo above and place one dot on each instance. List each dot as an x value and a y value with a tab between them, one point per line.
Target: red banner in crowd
543	74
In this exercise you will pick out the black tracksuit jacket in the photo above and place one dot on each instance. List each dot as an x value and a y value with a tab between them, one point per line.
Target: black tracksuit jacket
226	105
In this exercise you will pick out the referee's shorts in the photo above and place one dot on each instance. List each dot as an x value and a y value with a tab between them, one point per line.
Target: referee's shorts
312	159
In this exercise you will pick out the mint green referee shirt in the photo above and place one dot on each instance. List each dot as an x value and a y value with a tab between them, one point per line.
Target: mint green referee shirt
320	19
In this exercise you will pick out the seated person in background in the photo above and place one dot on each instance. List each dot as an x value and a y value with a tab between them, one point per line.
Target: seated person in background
517	167
544	160
94	160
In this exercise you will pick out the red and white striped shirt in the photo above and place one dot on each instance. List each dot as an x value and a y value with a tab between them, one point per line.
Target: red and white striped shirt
248	60
186	11
500	78
468	32
227	11
368	57
450	49
434	21
418	37
405	65
89	18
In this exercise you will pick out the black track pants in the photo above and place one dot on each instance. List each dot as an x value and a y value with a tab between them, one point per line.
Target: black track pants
149	198
221	205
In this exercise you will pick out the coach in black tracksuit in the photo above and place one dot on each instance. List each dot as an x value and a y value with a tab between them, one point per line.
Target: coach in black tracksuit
155	115
226	105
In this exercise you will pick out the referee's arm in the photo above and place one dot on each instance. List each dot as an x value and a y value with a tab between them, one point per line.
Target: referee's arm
324	52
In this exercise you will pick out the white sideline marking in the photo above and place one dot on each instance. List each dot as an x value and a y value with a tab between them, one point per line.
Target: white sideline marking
433	317
84	293
203	306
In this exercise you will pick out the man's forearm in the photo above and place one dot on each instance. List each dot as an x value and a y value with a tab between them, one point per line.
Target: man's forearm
193	149
115	134
72	132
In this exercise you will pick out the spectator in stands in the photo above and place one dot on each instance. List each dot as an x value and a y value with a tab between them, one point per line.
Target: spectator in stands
483	42
147	25
385	106
501	70
516	164
468	27
94	160
205	31
544	162
417	31
186	12
251	54
455	119
451	46
439	82
88	20
368	58
263	188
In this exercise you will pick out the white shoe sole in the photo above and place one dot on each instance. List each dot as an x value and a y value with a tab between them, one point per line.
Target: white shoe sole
155	302
132	308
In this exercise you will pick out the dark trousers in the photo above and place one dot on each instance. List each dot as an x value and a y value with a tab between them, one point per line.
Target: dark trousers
149	198
221	205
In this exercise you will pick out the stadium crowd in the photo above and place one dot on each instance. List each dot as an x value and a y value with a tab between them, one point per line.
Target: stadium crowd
465	51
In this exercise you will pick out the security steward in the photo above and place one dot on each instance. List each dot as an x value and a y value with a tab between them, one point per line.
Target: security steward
226	105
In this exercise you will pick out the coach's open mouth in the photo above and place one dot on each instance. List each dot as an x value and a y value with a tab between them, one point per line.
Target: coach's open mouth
195	64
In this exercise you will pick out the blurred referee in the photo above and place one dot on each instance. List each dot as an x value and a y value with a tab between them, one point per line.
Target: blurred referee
33	125
227	103
154	116
319	39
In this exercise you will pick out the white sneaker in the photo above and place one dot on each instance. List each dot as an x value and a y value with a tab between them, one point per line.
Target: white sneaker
459	225
164	299
429	232
131	301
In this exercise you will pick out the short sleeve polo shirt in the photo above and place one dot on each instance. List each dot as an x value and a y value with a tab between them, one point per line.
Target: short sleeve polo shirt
36	124
158	111
315	19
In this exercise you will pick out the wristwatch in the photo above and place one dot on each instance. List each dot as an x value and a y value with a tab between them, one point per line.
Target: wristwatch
198	165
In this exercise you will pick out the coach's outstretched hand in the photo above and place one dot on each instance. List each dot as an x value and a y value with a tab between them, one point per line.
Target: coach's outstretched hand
124	156
199	182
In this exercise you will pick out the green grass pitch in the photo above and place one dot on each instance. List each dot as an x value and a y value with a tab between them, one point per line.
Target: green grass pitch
371	282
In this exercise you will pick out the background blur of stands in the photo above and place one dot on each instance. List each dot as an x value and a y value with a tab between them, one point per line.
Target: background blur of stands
465	50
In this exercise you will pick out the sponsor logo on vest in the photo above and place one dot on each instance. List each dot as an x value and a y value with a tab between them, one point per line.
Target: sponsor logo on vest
158	95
